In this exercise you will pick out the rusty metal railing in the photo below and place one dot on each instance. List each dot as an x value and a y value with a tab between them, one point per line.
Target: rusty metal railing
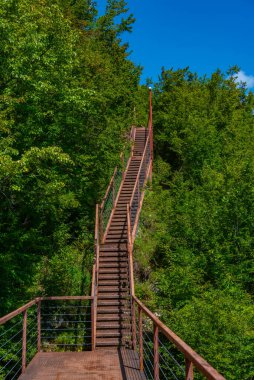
108	204
162	354
145	172
138	190
44	324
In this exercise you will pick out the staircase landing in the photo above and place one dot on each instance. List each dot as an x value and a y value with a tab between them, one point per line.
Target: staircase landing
107	364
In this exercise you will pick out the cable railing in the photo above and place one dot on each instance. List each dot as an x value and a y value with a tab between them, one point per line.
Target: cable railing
44	324
109	200
138	190
162	354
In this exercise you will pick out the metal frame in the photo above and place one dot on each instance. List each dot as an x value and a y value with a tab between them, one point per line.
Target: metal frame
192	359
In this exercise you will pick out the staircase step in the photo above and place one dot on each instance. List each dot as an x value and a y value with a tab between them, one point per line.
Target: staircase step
115	240
114	265
113	248
105	291
113	303
112	342
113	259
115	295
110	270
113	310
111	276
106	325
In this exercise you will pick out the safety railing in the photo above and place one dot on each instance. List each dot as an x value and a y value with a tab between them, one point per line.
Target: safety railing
109	200
138	190
44	324
66	325
162	354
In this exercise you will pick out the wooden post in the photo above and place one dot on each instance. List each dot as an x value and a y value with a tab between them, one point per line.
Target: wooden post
39	326
156	352
24	341
140	329
189	374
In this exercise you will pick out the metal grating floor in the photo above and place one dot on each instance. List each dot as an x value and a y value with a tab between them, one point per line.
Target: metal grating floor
108	364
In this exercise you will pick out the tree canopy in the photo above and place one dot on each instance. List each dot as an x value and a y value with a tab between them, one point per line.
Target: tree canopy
195	244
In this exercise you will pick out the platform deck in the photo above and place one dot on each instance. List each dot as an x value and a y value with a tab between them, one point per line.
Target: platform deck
107	364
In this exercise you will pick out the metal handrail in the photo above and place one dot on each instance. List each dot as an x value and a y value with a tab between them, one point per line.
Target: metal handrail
140	168
191	357
144	166
29	346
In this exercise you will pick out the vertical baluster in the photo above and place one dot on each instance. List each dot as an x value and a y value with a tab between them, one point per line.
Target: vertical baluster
24	341
101	227
140	329
133	318
39	326
189	374
156	352
113	191
138	192
93	320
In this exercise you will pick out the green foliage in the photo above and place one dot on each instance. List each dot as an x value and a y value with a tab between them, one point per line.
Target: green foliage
195	245
66	100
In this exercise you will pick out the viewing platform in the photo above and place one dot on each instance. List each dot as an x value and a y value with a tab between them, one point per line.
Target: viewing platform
107	364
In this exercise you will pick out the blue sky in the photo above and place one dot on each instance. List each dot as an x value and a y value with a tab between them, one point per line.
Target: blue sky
200	34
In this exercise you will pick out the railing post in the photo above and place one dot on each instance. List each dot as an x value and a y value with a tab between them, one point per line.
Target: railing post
133	320
156	352
150	126
113	191
140	330
101	224
93	317
24	341
189	374
39	326
138	193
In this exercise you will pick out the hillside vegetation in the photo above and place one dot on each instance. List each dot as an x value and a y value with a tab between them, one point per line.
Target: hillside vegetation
195	247
67	95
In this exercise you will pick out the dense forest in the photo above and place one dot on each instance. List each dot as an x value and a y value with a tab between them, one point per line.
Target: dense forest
194	253
68	95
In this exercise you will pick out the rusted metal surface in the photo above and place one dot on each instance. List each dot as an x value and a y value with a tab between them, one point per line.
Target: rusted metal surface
156	352
150	128
101	364
138	188
140	329
13	314
190	355
189	375
24	341
39	326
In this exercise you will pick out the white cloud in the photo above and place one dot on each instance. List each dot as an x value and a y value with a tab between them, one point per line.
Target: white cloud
248	79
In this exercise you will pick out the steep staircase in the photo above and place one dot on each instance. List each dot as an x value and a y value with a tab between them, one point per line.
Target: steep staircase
113	297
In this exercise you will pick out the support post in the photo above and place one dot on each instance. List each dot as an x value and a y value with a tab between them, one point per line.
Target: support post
93	317
113	191
150	126
156	352
39	326
189	374
24	341
101	233
140	329
133	320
